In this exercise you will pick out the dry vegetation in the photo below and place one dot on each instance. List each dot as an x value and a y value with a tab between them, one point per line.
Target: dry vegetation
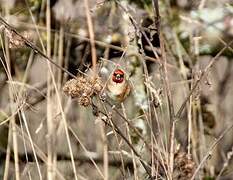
56	120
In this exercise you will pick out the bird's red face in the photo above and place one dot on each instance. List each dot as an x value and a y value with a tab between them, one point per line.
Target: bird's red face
118	76
118	87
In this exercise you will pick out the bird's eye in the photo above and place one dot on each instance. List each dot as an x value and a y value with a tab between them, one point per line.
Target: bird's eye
119	76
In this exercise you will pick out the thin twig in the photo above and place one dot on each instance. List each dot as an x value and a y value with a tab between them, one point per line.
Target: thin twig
33	47
139	29
130	140
50	145
105	151
168	91
92	36
7	160
157	15
212	147
119	132
99	43
12	97
84	148
178	114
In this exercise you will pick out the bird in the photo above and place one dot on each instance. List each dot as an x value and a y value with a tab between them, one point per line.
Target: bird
118	86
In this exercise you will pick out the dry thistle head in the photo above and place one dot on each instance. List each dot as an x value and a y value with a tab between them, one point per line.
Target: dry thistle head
15	40
183	169
184	165
83	88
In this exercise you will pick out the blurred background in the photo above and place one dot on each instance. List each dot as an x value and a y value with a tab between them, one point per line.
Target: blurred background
177	121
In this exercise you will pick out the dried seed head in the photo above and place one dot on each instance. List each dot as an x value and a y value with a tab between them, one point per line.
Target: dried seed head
72	88
98	87
84	101
83	88
184	166
15	40
96	84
